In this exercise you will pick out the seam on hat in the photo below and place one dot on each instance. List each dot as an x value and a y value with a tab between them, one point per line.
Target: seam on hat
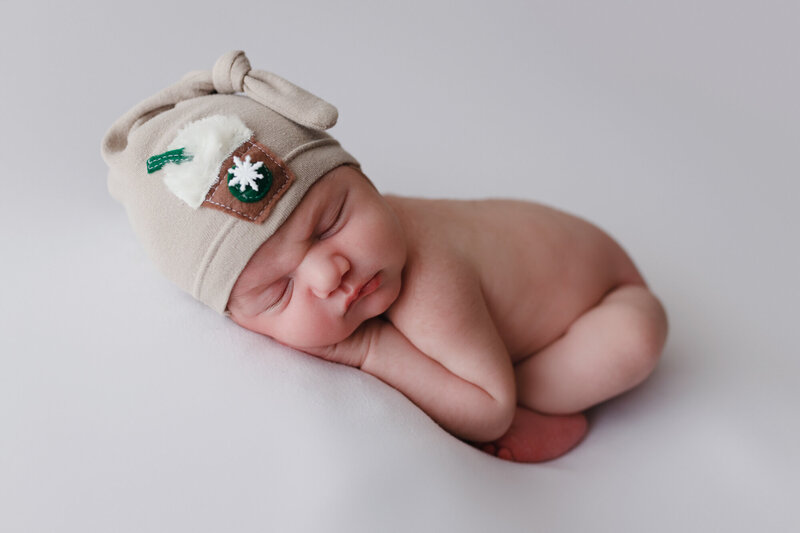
210	255
309	146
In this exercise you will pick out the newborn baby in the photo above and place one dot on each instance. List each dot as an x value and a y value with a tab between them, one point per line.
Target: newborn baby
502	320
482	313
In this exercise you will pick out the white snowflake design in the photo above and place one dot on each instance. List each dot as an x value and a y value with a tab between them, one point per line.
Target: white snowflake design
245	173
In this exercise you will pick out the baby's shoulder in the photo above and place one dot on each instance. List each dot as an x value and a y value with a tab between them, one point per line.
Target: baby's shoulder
439	283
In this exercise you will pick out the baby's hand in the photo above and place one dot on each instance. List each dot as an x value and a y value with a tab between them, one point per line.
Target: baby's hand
353	350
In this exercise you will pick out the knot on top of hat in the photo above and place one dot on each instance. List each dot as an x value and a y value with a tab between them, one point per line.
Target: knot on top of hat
229	72
232	74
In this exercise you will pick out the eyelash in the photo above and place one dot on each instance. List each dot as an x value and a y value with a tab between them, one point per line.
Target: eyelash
286	290
334	226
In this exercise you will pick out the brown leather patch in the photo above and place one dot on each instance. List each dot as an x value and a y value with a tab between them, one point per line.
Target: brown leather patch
219	197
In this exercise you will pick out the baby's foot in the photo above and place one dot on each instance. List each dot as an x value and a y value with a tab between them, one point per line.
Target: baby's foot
534	437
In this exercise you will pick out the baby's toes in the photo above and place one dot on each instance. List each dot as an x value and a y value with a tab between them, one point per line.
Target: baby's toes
505	453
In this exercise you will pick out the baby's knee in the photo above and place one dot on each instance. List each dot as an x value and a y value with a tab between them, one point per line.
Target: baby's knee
643	326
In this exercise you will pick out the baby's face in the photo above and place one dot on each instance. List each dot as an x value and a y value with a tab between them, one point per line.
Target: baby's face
336	262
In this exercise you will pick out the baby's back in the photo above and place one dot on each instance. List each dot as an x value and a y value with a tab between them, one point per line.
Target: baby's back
539	268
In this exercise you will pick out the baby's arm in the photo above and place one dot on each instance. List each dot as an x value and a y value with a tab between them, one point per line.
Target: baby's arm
457	369
479	410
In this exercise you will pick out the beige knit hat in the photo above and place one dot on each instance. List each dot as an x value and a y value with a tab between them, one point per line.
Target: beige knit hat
207	175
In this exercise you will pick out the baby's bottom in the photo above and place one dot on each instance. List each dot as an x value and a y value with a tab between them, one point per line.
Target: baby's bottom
609	349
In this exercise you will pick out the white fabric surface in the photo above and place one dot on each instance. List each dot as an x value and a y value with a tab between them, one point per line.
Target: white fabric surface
127	406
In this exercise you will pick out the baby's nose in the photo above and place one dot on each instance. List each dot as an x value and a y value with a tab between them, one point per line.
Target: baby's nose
328	274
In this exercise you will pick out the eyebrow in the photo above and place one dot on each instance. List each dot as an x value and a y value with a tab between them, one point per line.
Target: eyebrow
312	218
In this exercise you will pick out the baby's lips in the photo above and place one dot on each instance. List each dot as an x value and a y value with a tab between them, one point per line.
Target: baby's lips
370	286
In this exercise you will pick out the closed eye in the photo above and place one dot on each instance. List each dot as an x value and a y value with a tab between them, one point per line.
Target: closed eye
335	224
284	296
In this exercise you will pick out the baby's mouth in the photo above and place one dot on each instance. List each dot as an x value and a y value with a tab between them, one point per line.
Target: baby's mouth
364	290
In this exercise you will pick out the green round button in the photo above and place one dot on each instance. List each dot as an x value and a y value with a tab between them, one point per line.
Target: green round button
249	194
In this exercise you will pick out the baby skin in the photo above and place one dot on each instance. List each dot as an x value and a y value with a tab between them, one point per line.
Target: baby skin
502	320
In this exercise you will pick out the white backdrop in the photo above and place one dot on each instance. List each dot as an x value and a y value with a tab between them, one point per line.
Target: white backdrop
126	406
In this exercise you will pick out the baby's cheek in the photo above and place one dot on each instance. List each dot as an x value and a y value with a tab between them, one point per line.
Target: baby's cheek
310	331
249	323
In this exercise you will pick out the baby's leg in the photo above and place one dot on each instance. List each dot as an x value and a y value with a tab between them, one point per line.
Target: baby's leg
534	437
609	349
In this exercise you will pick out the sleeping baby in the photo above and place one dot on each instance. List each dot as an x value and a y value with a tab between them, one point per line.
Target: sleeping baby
503	320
